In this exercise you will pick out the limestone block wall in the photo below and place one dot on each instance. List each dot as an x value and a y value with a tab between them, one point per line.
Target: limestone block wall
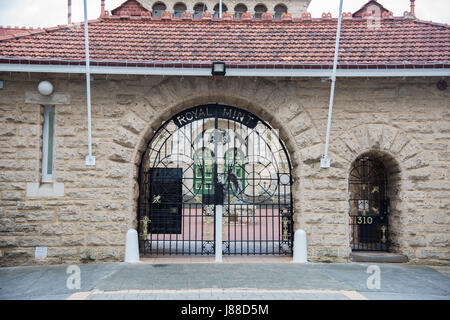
85	213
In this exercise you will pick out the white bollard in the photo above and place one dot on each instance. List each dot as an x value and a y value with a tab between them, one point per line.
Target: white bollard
132	247
218	233
300	252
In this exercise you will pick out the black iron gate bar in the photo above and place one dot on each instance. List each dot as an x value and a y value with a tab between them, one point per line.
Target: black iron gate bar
276	215
369	205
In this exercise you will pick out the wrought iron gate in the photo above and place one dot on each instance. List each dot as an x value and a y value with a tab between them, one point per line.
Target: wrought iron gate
369	205
215	155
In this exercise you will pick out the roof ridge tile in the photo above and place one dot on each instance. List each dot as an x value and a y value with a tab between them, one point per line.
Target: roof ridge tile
206	16
166	15
286	17
306	16
186	16
326	16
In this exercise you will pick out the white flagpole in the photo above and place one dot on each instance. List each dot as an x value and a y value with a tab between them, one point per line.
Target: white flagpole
220	9
90	160
325	161
69	12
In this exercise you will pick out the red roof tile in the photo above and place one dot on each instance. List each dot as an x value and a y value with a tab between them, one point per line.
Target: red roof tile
307	41
10	32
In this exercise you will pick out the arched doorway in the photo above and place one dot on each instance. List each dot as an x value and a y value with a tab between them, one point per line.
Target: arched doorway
208	156
369	204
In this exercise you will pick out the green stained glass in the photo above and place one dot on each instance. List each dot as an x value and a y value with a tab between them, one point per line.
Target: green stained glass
203	171
234	159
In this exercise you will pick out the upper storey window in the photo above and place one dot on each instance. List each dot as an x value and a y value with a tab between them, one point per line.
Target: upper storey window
216	10
178	9
239	10
158	8
199	8
279	10
259	10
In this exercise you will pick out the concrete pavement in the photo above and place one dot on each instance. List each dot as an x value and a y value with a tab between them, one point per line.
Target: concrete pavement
227	281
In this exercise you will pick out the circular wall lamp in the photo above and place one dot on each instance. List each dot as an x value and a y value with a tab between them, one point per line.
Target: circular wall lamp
442	85
45	88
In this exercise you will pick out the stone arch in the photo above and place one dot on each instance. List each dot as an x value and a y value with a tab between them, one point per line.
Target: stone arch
158	7
387	187
216	9
259	9
199	8
179	8
239	9
386	139
406	163
279	9
275	103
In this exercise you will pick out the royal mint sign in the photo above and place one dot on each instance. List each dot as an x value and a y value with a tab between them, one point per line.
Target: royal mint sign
215	111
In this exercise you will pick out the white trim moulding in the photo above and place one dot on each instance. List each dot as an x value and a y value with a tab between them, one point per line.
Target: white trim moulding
422	72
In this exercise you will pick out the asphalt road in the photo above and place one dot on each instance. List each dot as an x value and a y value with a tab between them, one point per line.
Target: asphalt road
226	281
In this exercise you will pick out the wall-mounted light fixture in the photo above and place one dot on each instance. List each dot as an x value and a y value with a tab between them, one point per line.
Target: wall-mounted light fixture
442	85
45	88
218	68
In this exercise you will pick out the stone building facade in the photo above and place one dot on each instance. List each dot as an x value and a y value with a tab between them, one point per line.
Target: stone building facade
295	7
84	213
406	120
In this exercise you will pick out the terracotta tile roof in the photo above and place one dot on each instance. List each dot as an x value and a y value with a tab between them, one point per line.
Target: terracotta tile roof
10	32
303	42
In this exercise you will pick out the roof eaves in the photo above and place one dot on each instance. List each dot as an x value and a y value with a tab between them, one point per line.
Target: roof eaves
437	24
240	65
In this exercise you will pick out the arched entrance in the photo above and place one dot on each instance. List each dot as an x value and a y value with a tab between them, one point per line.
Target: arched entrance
208	156
369	204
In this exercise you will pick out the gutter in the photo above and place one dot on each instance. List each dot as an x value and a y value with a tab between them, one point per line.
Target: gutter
431	70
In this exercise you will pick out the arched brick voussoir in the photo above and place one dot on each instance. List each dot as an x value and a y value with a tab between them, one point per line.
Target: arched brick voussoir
126	138
362	138
375	136
383	138
165	93
299	123
339	147
119	153
284	101
132	122
171	90
126	135
418	161
411	149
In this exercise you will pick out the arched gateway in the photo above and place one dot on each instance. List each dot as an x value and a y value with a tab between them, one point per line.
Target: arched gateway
209	156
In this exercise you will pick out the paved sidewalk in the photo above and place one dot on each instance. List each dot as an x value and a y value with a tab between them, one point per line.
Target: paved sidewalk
270	280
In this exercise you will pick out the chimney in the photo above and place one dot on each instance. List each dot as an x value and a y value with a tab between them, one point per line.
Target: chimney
69	12
413	8
102	10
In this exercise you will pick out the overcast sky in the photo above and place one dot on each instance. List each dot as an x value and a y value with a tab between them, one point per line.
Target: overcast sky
47	13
